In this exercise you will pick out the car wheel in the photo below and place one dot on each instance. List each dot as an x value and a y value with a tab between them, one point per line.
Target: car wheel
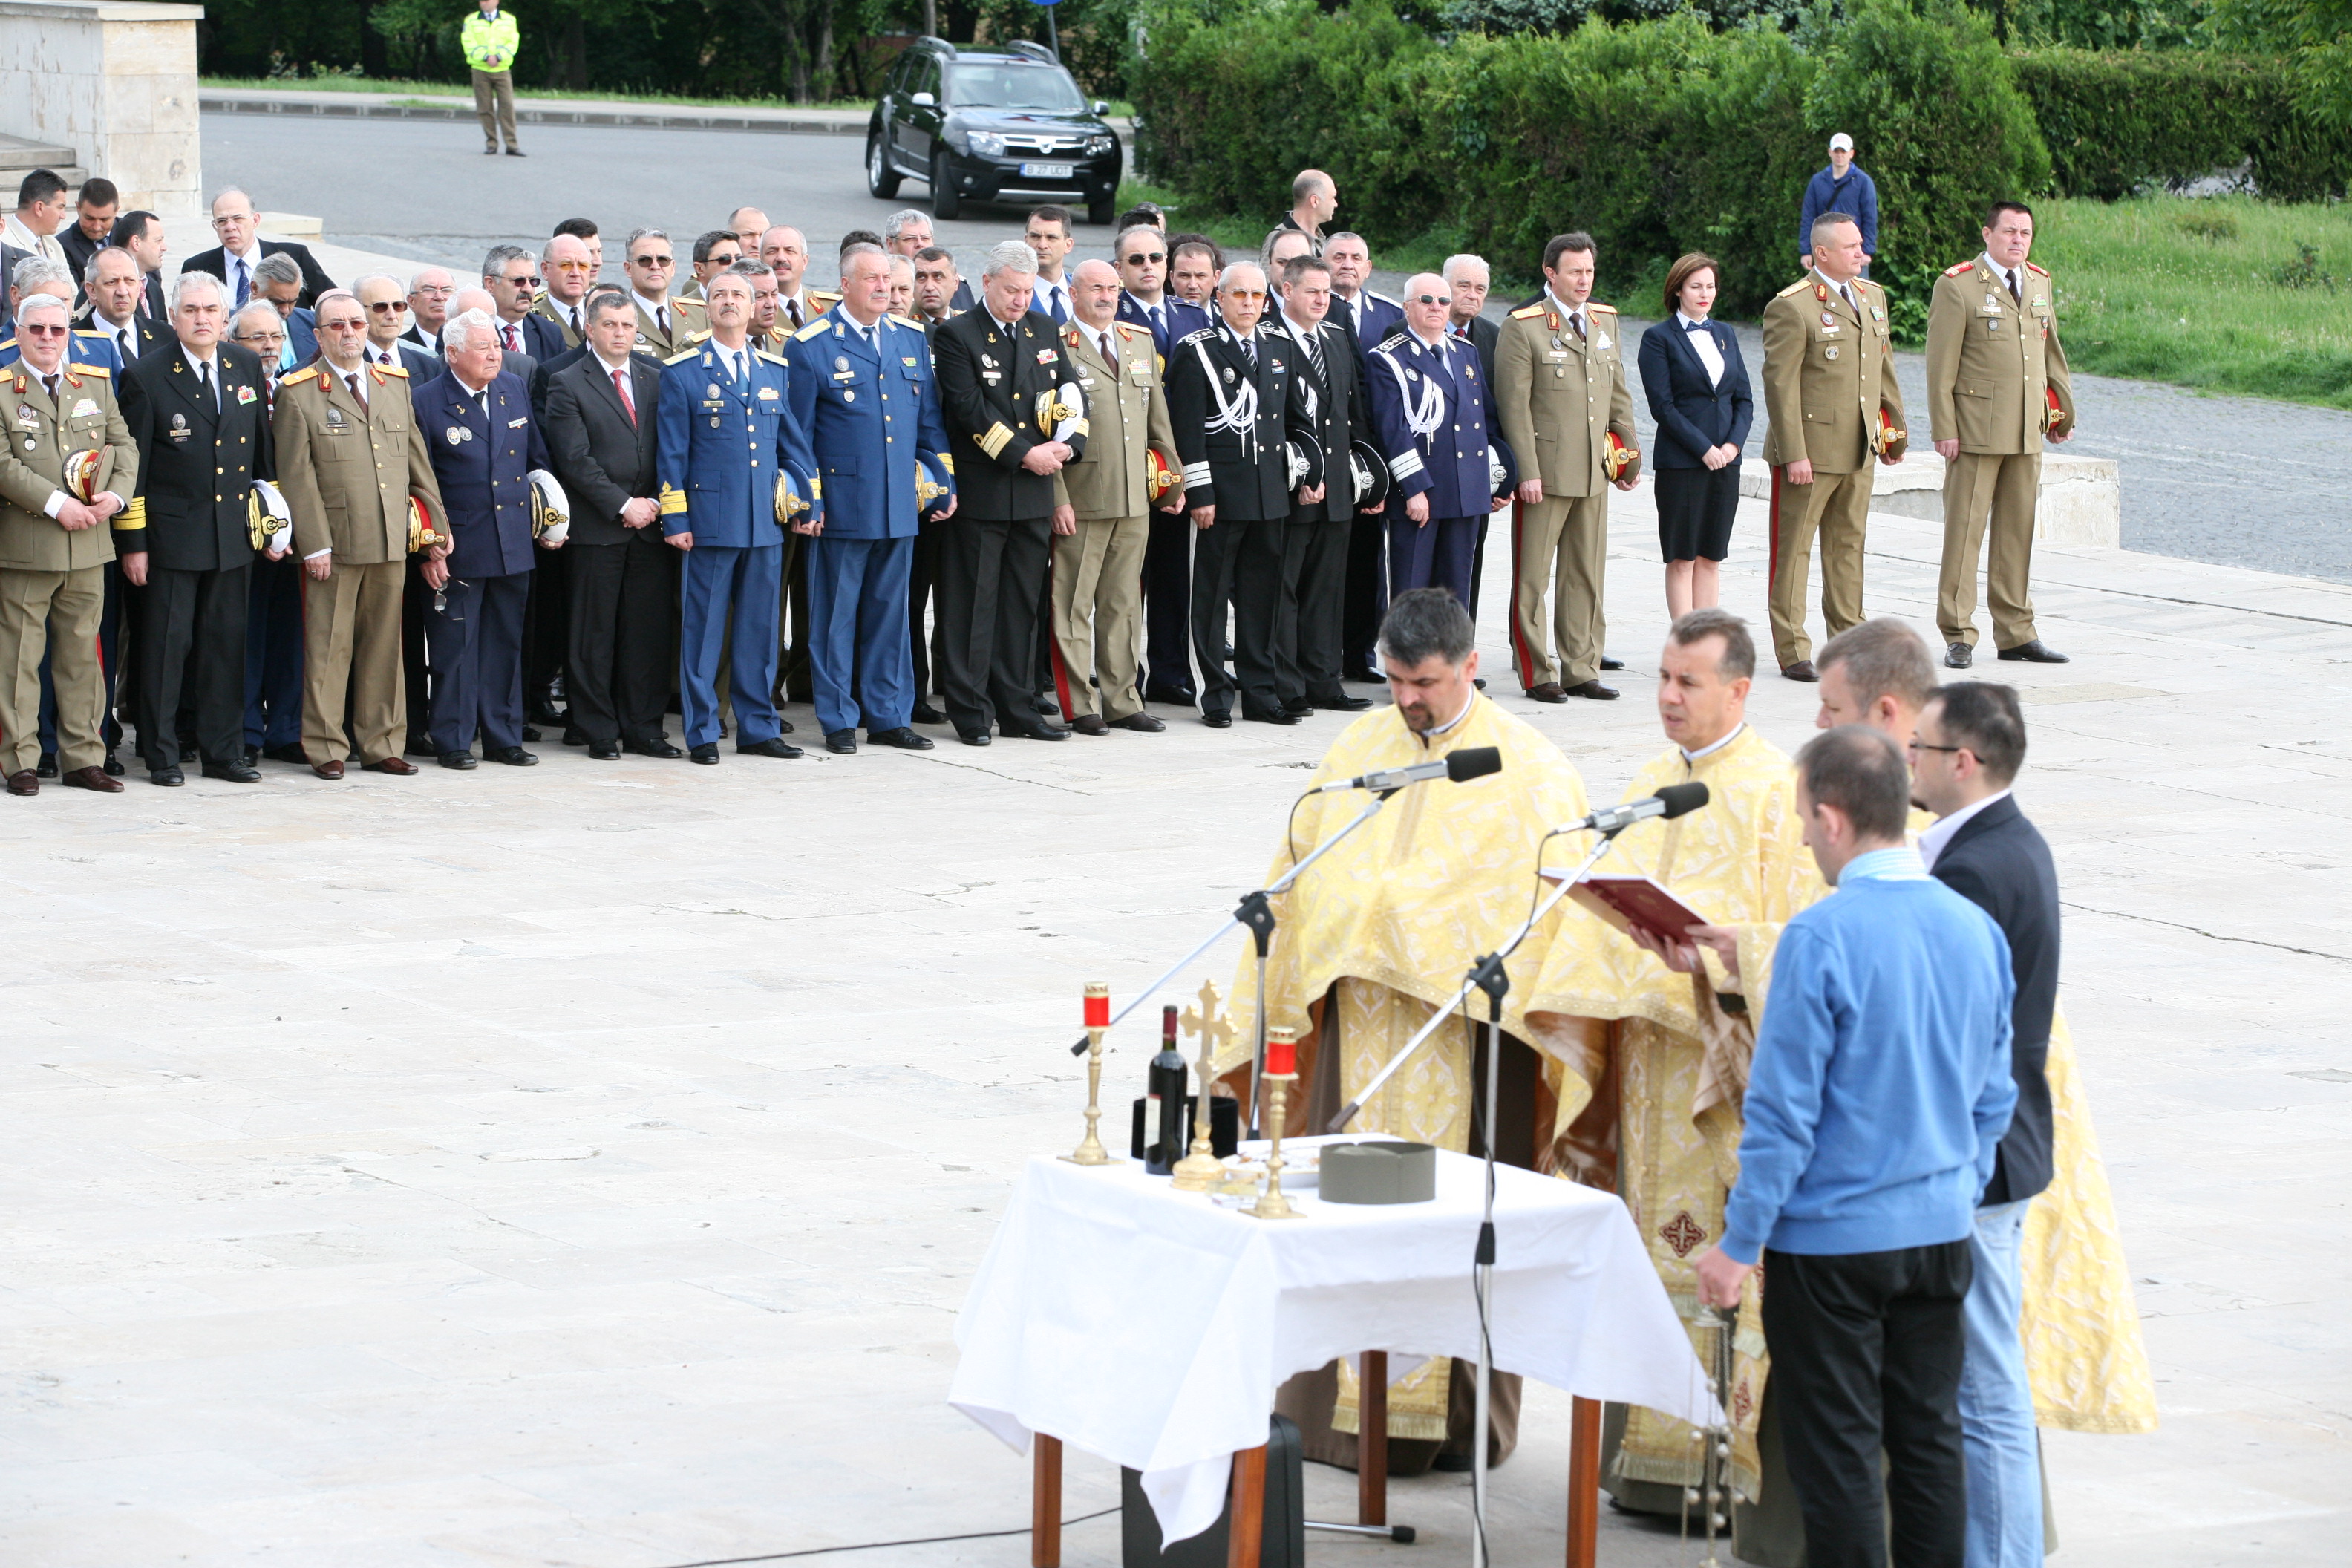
945	204
1100	210
881	179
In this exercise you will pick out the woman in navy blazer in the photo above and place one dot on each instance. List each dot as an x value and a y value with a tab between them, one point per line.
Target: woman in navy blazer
1698	392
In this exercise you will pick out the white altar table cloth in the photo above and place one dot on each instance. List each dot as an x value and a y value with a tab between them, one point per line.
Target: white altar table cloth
1151	1327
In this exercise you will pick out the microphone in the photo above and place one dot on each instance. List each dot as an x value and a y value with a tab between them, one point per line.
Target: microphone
1461	767
1675	800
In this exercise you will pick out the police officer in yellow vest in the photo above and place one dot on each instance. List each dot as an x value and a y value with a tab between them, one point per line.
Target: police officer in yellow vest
491	40
1828	389
1997	388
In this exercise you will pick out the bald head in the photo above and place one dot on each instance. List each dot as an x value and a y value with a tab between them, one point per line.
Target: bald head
1240	296
1094	294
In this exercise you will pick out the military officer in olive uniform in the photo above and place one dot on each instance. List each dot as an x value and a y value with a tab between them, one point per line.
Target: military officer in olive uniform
1830	393
1559	395
1235	397
197	411
54	549
1997	388
351	455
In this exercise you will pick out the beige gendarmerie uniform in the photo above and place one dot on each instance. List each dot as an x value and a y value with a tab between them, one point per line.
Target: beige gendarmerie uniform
652	339
1994	365
547	307
1558	395
1096	575
1829	382
347	471
52	576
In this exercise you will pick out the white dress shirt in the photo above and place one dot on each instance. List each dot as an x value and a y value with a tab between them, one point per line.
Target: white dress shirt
1843	291
2013	278
1049	290
1938	835
1702	345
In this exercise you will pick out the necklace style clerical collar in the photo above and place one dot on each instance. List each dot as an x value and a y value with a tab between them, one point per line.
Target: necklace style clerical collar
1714	746
1429	737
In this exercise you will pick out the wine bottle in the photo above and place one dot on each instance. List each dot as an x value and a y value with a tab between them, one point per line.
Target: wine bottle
1164	1121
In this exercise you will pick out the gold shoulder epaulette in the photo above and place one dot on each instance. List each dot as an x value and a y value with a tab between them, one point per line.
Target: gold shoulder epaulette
399	369
297	378
832	297
697	338
1132	329
913	321
813	329
770	356
91	370
682	356
1798	287
1597	305
2031	267
1954	271
1528	312
690	302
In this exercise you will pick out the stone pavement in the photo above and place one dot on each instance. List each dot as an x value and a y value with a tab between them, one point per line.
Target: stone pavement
537	1167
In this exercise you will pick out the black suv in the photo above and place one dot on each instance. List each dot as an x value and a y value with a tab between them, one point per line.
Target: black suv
983	123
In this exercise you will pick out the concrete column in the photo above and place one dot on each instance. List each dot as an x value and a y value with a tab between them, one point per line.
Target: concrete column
117	83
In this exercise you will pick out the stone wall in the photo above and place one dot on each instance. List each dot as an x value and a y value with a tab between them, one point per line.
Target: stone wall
117	83
2081	501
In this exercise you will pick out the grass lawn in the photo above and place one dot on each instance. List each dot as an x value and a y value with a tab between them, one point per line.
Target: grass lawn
2214	292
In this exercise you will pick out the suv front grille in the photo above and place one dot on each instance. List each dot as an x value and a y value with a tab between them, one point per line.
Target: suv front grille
1064	145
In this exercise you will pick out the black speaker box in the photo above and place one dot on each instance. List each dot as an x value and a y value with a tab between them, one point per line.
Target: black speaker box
1282	1543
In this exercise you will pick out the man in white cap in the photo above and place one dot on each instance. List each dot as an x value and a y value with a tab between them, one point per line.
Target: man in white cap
1841	188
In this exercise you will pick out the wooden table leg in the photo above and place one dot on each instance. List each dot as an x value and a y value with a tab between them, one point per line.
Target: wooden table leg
1372	1439
1046	1502
1583	1482
1248	1522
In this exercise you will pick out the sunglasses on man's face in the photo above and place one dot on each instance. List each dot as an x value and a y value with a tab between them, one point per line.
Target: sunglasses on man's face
388	307
651	261
1140	256
39	332
1427	300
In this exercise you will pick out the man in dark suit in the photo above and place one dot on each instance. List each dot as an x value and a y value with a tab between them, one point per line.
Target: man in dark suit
1233	397
1969	743
1309	623
999	366
1369	318
601	429
1467	279
198	411
241	249
115	287
485	442
142	233
512	278
388	310
1142	258
9	258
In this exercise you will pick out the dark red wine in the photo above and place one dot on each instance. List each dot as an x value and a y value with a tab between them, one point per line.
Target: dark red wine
1164	1110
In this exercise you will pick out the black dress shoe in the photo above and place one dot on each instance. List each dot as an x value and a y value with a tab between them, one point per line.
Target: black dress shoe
1048	705
1608	663
658	746
574	736
927	714
461	760
841	742
517	153
237	771
706	753
530	732
47	769
252	754
604	750
513	757
293	754
1959	655
1218	719
783	725
1090	724
2035	652
1301	708
902	738
543	711
113	766
420	746
1801	670
1037	731
1364	674
1278	716
1142	723
974	737
1163	694
189	752
169	776
1343	703
776	747
1595	690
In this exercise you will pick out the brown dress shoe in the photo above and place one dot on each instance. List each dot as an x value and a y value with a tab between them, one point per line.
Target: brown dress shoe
1595	690
1090	724
24	781
399	768
1549	691
331	769
1801	670
94	778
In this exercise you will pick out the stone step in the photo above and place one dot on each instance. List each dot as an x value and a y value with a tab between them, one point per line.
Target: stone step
19	157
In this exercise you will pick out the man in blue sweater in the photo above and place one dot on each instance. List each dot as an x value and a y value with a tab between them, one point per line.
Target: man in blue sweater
1839	188
1879	1094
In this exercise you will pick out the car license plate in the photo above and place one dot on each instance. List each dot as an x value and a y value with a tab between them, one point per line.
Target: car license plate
1048	171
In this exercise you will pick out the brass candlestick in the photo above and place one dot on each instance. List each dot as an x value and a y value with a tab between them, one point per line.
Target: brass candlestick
1090	1150
1198	1170
1271	1204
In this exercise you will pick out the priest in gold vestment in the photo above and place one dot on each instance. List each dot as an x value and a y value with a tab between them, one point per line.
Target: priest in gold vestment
1378	935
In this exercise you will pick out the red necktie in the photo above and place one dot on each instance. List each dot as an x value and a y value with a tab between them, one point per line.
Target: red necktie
514	344
621	386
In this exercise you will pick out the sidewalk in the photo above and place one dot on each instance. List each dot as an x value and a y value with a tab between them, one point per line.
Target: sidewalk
792	120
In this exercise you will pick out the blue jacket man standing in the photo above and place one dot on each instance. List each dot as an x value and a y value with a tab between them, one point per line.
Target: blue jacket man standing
1839	188
727	434
485	442
1434	413
862	389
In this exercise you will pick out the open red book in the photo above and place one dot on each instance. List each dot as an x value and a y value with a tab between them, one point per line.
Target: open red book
1627	902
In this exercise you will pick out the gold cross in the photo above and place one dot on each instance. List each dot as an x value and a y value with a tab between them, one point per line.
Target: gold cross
1206	1023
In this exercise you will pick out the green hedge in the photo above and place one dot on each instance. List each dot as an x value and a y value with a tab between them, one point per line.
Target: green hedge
1658	137
2115	120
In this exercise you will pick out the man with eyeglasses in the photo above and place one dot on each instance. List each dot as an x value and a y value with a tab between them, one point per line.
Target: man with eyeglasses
1434	411
429	293
1235	399
387	317
273	612
242	247
512	278
907	233
54	550
1142	258
715	251
651	264
565	264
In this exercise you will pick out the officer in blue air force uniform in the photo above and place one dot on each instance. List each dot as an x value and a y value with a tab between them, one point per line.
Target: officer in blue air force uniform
485	442
1435	417
862	388
726	432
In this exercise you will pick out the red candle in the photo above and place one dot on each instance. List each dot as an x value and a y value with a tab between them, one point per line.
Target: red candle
1097	1007
1281	1054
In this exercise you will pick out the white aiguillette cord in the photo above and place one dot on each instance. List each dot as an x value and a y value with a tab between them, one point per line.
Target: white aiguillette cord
1240	414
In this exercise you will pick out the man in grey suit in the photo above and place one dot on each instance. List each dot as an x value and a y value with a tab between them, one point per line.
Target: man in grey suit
601	432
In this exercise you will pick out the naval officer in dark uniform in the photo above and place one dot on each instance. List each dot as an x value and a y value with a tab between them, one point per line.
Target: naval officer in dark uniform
1435	415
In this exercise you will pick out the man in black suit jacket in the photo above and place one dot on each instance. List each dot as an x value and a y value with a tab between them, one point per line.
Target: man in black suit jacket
1467	279
1969	743
198	410
601	436
998	365
1310	619
241	249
